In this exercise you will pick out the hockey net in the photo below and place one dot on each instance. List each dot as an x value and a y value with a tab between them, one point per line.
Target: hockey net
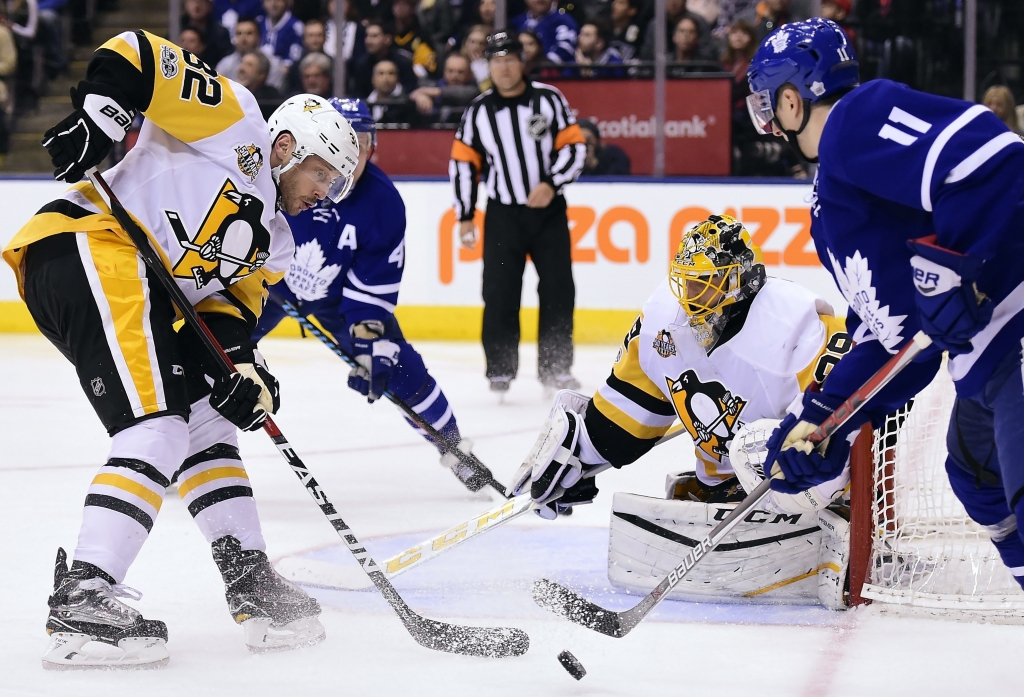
914	550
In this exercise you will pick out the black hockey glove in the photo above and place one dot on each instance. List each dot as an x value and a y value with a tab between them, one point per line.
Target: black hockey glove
246	397
83	139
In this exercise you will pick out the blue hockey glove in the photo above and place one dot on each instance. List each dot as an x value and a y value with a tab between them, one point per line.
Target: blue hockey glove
377	359
803	466
949	305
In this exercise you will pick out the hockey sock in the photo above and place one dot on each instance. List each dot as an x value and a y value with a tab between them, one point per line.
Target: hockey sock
126	494
431	403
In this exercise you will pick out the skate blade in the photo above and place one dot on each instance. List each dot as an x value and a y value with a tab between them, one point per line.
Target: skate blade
69	651
261	636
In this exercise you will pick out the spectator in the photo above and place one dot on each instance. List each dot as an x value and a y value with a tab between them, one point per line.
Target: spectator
314	37
557	31
533	52
839	11
228	12
370	10
1000	100
354	40
675	10
409	38
446	101
437	21
708	10
602	159
247	38
626	35
768	16
282	33
216	39
380	46
592	46
23	19
51	34
689	54
482	12
252	74
473	50
741	44
317	75
192	41
388	100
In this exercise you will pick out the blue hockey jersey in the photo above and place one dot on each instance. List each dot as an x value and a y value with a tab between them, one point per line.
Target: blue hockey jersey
349	256
557	31
284	38
896	165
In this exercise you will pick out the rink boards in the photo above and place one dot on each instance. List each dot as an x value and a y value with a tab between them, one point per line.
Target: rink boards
624	232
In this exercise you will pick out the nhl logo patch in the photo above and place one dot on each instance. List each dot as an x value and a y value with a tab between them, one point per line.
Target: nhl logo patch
168	61
98	388
664	344
250	160
538	126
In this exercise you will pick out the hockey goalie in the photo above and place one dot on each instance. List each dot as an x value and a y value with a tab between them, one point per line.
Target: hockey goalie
724	350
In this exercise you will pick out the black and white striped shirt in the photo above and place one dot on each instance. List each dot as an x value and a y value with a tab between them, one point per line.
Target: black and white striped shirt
519	142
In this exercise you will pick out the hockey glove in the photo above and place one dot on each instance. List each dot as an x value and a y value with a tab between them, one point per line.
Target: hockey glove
247	396
799	462
83	139
949	305
377	359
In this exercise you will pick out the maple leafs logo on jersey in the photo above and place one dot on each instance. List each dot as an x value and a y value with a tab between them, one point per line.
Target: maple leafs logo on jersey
854	281
307	276
709	412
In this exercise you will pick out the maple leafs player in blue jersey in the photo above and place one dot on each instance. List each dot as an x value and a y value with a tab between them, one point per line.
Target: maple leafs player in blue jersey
917	215
348	264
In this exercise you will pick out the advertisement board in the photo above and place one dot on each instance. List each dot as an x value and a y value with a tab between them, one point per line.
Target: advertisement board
623	235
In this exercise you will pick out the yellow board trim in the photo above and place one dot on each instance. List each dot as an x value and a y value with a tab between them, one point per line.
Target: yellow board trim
446	323
131	486
208	476
788	581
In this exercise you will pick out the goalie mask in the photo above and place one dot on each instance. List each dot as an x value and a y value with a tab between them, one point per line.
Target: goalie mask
716	266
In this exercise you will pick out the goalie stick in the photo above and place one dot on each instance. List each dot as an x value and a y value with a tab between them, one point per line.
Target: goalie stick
493	642
481	475
574	607
326	575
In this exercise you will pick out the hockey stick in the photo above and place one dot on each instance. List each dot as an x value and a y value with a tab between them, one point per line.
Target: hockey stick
494	642
574	607
481	477
327	575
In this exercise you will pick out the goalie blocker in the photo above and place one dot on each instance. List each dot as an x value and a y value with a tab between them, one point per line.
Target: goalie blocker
791	551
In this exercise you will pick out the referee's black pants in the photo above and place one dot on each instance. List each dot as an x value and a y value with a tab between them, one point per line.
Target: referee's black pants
512	232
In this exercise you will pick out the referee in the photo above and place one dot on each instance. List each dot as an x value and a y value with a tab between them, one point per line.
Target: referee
524	137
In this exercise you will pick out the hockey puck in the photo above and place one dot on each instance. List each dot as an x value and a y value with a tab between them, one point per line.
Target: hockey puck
572	665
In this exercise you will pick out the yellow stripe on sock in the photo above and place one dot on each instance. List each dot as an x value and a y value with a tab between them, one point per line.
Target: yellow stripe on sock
131	486
208	476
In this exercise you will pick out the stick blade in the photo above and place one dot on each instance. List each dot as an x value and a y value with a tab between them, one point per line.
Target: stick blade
575	608
485	642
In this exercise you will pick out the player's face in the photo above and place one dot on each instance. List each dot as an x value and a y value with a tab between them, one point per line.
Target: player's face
306	183
702	293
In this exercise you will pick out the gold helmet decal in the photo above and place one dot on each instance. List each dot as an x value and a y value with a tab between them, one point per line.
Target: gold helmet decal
311	105
716	265
231	242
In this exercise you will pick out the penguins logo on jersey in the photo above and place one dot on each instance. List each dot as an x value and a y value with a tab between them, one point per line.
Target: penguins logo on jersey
231	242
664	344
709	412
250	160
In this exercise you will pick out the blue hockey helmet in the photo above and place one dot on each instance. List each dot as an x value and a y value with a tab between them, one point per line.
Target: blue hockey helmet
358	114
814	56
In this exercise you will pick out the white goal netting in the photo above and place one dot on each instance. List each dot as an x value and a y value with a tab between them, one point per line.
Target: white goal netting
927	554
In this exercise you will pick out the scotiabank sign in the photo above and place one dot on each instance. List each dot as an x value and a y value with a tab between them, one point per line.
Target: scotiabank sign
697	121
697	127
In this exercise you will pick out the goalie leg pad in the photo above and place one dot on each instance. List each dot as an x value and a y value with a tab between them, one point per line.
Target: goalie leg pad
769	558
834	560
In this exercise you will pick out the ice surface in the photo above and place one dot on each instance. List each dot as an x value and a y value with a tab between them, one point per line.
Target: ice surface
387	484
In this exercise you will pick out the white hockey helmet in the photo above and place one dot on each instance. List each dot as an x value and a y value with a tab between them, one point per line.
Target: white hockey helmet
318	129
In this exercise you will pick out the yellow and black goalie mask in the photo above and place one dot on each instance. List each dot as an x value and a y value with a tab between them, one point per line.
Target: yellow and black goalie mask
715	266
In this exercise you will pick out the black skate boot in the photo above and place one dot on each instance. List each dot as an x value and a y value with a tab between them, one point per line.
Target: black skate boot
274	613
90	628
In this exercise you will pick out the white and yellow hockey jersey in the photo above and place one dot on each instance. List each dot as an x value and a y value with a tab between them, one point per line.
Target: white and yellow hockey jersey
776	344
198	179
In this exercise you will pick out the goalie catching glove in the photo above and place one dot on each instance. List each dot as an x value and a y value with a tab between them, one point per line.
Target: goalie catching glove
377	359
556	472
247	396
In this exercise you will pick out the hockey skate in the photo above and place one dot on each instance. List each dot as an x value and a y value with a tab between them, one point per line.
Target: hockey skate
90	628
275	614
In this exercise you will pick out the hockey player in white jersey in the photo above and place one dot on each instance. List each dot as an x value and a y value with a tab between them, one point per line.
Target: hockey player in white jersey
720	348
206	181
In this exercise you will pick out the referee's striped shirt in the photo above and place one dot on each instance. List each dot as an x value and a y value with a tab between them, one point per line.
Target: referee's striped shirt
519	142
